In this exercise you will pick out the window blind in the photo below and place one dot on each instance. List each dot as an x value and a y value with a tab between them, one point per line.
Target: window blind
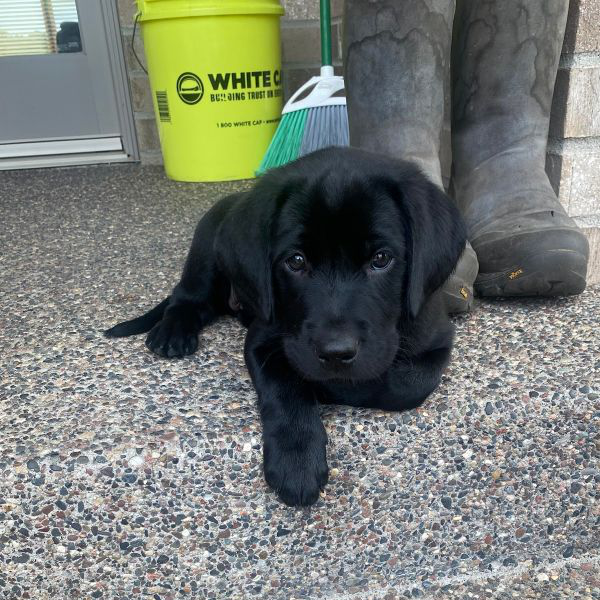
30	26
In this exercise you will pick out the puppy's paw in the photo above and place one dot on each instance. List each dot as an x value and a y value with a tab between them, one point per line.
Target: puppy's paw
296	474
173	337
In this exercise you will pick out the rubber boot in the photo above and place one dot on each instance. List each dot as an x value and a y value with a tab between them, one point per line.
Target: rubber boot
397	62
505	59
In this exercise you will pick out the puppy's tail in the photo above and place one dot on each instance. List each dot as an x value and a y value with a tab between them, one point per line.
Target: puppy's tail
140	324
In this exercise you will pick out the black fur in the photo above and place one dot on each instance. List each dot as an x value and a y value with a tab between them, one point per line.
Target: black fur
338	331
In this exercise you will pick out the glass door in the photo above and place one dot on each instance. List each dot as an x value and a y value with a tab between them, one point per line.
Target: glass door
63	89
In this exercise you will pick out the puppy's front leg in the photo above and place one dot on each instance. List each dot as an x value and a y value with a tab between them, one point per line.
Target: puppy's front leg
199	297
294	439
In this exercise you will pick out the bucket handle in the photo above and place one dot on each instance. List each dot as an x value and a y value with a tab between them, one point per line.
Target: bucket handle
137	16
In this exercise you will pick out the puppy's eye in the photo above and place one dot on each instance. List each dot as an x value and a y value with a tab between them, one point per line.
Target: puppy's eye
296	262
381	260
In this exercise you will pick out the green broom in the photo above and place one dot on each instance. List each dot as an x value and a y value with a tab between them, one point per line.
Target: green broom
316	115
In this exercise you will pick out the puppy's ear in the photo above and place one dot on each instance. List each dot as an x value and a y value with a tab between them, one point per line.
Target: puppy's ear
243	249
435	237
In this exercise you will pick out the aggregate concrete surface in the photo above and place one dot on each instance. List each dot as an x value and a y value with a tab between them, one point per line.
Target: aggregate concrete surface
123	475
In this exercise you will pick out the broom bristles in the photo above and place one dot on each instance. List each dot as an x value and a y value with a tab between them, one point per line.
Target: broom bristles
303	131
286	142
325	126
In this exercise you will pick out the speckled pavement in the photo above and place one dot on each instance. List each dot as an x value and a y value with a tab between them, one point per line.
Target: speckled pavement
125	476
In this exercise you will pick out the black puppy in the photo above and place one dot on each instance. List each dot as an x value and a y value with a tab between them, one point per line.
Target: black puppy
332	262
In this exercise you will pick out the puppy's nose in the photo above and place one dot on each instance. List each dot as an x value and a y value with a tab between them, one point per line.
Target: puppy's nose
337	351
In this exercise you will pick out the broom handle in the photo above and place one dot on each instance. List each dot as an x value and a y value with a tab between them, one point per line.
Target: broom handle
325	33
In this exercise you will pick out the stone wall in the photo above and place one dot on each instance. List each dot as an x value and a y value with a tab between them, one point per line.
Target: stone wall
573	163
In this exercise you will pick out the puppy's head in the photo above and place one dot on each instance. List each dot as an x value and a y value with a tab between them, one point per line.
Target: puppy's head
339	248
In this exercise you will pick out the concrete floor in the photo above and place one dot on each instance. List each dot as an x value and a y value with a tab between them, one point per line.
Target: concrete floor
126	476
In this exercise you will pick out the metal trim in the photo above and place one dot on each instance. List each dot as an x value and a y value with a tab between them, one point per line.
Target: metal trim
47	148
60	160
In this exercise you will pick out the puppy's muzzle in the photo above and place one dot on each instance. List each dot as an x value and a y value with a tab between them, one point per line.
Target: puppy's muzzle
336	350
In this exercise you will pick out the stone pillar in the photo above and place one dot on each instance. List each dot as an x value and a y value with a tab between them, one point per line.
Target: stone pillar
141	98
573	159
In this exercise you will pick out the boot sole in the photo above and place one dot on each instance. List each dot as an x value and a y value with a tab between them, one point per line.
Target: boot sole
553	272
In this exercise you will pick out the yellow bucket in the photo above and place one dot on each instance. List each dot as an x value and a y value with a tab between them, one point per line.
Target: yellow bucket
215	74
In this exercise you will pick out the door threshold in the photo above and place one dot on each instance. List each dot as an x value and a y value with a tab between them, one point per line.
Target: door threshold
63	160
